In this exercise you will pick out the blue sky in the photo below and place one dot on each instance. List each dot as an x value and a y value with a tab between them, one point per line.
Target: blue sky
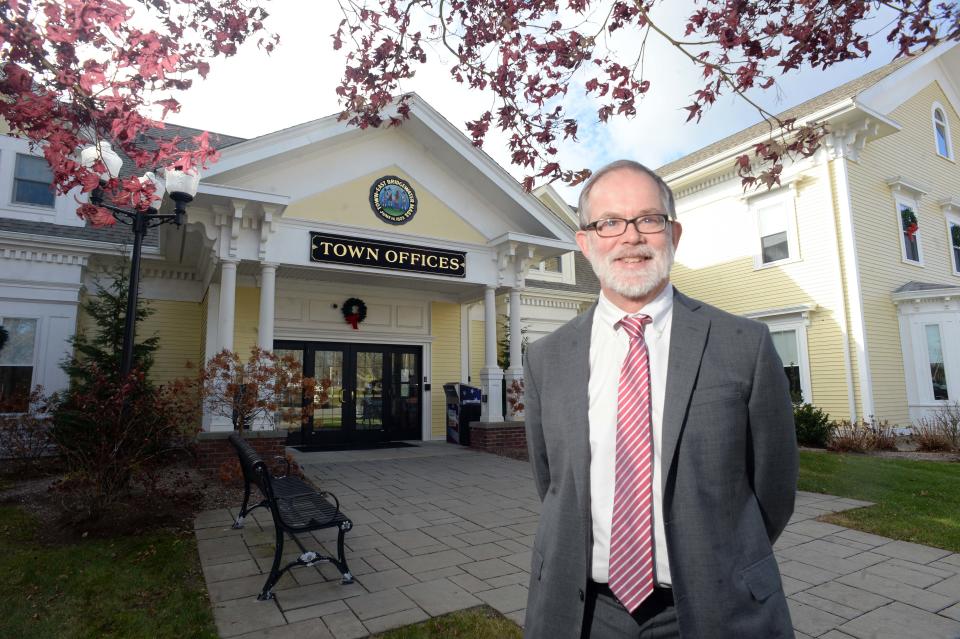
253	94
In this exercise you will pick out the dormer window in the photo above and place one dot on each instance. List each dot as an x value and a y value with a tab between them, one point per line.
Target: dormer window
941	132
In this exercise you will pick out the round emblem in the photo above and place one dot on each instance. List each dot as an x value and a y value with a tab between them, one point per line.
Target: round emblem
393	200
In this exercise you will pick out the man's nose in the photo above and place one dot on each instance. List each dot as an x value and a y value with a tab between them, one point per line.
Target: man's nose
632	235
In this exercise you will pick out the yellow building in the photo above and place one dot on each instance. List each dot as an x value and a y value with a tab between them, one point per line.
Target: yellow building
854	260
363	253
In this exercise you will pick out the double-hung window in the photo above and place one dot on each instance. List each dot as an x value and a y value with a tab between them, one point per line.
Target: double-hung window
776	226
33	181
16	362
953	227
909	224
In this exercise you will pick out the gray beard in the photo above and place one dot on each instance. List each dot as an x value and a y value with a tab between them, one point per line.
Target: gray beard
634	286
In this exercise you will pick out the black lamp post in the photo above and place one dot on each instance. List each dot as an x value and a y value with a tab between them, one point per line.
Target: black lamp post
182	187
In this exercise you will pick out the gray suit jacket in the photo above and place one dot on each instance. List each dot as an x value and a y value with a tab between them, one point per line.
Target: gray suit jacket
729	475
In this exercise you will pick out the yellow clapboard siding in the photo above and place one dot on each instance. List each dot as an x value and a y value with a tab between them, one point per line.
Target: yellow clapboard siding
444	360
735	285
177	324
246	321
910	153
204	306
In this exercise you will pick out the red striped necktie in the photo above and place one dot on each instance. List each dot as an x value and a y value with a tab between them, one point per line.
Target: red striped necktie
631	534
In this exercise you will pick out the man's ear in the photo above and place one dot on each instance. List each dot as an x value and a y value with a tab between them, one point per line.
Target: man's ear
584	243
677	231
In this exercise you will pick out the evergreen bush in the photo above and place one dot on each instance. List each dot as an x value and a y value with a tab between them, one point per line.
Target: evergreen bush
813	425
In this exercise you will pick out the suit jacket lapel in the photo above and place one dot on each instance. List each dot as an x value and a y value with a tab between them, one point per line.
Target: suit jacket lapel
688	337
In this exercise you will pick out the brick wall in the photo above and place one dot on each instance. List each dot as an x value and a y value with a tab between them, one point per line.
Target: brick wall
214	448
497	436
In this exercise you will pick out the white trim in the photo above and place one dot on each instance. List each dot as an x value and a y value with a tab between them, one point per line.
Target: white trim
567	274
785	199
854	288
798	325
802	310
936	106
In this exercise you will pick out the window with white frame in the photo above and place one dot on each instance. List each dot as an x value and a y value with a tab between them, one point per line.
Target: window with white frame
938	373
788	330
776	227
554	269
909	224
16	362
32	181
953	230
941	132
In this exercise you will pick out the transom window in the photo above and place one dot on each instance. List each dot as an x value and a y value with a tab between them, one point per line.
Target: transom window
32	181
941	132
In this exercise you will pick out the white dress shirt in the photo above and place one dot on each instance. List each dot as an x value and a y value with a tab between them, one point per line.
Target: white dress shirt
608	349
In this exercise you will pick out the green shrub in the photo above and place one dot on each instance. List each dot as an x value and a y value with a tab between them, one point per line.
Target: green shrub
813	425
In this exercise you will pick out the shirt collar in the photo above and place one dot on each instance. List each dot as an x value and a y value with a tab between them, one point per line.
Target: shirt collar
659	309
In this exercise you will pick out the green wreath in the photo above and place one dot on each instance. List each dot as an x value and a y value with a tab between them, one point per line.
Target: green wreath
354	311
4	336
907	218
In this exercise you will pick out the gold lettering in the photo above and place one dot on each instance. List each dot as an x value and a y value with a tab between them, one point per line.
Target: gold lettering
416	257
432	261
402	258
326	247
444	262
373	253
454	263
340	250
355	251
390	255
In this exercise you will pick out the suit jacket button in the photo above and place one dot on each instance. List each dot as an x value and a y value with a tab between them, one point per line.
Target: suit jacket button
580	592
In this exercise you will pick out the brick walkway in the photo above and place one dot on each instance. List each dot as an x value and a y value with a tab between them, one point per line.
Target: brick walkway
440	528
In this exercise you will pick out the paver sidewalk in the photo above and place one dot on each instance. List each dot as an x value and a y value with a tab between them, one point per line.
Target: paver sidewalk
439	528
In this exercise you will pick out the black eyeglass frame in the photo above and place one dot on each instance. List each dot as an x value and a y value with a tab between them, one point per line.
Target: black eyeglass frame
592	226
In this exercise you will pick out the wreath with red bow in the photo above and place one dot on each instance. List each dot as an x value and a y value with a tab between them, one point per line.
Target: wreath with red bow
909	221
354	311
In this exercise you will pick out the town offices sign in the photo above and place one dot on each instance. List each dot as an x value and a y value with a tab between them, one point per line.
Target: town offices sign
339	249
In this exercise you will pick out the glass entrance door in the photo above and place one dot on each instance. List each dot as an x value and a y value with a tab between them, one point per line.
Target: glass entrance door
364	393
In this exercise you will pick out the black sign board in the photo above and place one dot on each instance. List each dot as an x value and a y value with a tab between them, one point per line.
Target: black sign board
339	249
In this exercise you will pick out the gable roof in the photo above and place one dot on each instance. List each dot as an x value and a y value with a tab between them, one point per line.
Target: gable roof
843	92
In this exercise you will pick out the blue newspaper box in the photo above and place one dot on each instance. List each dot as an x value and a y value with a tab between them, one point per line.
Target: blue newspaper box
463	407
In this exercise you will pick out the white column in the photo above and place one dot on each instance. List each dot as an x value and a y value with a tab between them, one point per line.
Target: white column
490	375
514	374
268	281
228	299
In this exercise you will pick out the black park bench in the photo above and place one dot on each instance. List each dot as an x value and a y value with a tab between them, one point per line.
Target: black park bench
296	508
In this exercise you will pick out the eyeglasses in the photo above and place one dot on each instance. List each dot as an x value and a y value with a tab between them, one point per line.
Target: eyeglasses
615	226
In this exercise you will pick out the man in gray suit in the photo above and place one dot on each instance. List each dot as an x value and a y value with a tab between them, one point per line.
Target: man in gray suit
662	443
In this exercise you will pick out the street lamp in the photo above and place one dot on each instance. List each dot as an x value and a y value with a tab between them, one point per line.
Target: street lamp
182	187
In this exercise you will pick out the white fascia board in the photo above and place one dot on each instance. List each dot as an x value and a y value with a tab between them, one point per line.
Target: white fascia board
235	193
902	84
927	294
486	165
535	240
276	143
72	244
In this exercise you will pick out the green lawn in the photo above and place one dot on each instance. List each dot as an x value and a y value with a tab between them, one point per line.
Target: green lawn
476	623
137	586
915	501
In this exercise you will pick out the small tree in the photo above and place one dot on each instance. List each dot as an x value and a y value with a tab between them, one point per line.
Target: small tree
111	434
267	387
103	346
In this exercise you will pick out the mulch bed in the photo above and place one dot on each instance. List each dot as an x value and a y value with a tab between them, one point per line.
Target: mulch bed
178	497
